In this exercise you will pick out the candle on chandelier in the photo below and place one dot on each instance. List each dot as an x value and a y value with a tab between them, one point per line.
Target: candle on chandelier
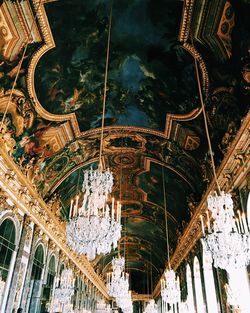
208	222
71	207
240	229
109	277
237	225
76	206
241	223
245	222
202	225
120	207
127	276
77	199
117	211
113	208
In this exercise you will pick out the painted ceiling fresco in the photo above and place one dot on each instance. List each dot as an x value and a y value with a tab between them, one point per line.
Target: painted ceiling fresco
152	102
149	73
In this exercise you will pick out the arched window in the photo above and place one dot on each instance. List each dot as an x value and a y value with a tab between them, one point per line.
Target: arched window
209	282
7	246
47	289
190	290
36	279
198	287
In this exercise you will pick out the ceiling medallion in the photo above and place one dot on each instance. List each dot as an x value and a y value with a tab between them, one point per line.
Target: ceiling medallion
225	236
93	228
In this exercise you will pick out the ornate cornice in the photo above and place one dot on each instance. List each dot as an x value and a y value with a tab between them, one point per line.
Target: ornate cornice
22	194
233	167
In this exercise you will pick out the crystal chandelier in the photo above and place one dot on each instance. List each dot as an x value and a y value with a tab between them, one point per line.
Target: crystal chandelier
125	302
118	285
64	290
118	280
170	289
93	228
151	307
225	236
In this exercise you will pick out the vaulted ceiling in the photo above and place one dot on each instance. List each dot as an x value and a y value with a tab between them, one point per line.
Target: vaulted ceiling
154	133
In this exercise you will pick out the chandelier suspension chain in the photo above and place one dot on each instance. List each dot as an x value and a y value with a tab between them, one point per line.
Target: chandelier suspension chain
206	124
120	196
105	87
19	69
151	271
166	215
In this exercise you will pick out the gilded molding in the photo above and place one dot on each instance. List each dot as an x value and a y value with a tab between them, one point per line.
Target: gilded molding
239	150
187	13
196	55
12	183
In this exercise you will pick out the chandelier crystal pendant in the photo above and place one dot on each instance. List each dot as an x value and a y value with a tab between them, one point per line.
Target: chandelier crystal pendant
94	228
103	307
55	306
118	280
170	289
226	236
151	307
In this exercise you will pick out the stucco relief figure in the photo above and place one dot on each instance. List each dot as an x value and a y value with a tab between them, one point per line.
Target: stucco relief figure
19	108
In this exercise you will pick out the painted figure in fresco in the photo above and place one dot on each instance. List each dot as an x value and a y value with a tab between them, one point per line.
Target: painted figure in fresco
31	145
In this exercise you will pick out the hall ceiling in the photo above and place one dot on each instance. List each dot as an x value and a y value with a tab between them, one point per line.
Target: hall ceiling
153	122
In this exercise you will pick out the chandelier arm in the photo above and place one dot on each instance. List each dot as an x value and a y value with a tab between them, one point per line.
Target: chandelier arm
105	88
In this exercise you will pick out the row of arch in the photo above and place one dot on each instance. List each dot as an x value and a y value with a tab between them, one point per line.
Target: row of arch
38	286
8	245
